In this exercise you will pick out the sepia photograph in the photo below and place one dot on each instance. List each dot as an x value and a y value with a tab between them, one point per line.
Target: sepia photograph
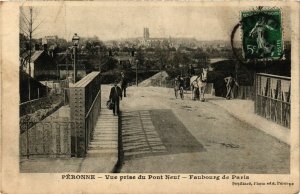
136	94
151	93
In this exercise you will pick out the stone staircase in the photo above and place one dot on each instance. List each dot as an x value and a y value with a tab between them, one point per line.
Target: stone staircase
102	155
105	139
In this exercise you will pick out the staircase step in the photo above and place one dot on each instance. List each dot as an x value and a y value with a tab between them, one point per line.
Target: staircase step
105	135
102	151
101	147
103	143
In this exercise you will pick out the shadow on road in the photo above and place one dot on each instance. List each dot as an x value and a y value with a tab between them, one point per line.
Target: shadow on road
173	133
155	132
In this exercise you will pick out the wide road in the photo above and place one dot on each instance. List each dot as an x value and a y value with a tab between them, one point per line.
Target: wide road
161	134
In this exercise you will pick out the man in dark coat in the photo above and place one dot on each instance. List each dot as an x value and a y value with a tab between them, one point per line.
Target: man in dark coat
191	70
115	96
230	83
123	84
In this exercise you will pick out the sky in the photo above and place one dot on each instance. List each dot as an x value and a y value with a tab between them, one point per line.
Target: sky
127	21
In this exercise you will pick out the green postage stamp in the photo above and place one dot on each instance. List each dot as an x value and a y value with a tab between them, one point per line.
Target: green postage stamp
262	34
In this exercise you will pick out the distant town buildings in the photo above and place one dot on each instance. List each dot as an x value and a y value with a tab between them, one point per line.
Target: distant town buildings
147	41
51	56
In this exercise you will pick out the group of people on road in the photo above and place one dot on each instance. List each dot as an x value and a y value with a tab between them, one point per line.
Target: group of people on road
230	81
180	81
116	93
179	85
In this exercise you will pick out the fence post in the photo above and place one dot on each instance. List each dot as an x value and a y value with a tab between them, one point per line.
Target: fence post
27	139
254	92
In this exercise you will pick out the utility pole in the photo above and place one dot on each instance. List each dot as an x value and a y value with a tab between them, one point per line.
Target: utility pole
136	67
67	65
160	72
99	54
136	73
29	61
74	68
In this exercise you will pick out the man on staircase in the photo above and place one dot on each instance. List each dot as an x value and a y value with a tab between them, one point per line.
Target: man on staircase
115	96
123	83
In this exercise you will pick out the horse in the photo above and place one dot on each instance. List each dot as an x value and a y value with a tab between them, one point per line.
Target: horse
199	82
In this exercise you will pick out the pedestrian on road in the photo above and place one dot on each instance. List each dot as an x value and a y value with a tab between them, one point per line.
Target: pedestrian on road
179	86
191	70
230	83
181	81
115	96
124	83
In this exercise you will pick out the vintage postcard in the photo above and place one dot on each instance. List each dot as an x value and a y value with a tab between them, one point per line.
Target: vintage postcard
149	97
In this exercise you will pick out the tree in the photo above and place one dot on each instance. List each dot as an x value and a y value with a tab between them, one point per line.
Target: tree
180	58
94	46
62	44
108	63
201	58
162	56
28	26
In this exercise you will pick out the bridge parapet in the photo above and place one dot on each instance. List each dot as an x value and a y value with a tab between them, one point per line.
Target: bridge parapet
272	98
85	105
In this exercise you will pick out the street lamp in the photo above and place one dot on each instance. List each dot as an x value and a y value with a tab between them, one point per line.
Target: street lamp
75	41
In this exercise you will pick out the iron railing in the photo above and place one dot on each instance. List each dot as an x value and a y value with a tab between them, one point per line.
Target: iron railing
45	138
272	98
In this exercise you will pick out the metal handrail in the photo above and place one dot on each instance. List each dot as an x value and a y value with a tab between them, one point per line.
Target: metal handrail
92	106
274	76
34	100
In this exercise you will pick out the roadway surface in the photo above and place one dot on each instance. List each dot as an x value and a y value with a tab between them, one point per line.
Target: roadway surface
161	134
